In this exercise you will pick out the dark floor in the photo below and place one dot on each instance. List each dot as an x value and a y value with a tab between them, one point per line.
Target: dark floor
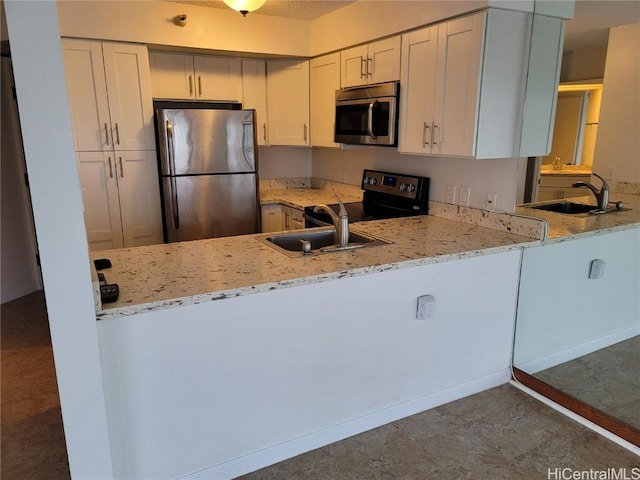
607	379
499	434
32	440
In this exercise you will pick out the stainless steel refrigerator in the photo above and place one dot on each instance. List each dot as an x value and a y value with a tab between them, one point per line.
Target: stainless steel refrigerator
208	172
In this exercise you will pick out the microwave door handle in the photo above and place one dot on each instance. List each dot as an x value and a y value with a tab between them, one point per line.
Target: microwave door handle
370	120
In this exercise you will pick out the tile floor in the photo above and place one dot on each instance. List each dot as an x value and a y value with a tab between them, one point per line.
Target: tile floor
500	434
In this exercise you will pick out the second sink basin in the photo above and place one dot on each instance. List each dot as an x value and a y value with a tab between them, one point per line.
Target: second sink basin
322	240
565	207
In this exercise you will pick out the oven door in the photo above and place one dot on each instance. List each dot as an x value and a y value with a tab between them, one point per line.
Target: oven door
366	121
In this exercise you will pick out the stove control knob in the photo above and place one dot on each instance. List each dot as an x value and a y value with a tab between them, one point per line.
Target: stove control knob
411	188
366	180
372	181
403	187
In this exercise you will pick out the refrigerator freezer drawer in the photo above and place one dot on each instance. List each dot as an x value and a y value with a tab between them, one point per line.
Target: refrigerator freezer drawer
207	206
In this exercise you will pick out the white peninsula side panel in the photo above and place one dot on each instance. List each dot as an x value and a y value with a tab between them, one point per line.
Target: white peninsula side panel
231	386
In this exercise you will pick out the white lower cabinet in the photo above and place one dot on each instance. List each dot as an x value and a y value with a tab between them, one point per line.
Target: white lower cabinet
293	218
272	218
557	187
121	198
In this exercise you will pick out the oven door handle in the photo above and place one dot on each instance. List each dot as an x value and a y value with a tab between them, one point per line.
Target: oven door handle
370	120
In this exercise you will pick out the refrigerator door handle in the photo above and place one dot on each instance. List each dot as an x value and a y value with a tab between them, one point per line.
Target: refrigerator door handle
172	172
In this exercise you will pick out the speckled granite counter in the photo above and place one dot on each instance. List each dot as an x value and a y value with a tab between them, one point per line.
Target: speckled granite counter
567	227
164	276
169	275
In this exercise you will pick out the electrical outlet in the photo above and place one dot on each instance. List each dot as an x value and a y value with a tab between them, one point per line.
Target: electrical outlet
426	307
344	176
451	194
465	195
490	204
611	173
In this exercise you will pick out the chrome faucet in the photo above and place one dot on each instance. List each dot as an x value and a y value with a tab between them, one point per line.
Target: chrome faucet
602	196
340	221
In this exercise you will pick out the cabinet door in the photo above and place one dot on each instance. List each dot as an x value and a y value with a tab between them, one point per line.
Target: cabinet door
354	66
217	78
272	219
87	91
172	76
130	104
418	85
324	81
383	61
254	94
460	48
97	172
288	102
139	191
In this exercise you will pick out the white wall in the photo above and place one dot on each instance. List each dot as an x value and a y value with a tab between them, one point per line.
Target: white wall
151	22
20	273
284	162
57	208
498	175
583	64
617	143
230	386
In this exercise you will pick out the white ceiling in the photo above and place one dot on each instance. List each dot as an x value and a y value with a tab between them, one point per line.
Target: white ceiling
300	9
588	28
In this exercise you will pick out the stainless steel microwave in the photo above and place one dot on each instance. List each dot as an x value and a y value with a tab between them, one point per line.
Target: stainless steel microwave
367	115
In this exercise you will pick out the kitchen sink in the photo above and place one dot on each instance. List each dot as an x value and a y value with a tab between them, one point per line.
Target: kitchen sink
321	240
571	208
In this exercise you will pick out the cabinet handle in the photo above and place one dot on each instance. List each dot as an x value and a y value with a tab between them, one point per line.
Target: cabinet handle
424	133
121	170
117	134
433	127
305	133
200	85
264	130
106	133
363	67
369	70
190	85
110	169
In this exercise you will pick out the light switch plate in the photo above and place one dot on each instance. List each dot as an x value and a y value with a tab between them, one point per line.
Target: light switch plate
465	194
451	194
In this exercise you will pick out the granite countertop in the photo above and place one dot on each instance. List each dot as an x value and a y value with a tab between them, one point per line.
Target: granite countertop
564	227
168	275
586	171
303	197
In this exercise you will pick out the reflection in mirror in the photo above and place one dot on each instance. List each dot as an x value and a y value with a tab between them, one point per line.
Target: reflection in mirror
578	326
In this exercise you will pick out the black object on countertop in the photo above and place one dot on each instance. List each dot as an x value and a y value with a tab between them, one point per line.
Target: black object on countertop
102	263
108	292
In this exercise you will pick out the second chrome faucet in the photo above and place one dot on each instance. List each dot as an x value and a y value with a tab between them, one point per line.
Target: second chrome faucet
602	196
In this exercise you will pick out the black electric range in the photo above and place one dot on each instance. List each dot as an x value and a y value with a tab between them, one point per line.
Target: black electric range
386	195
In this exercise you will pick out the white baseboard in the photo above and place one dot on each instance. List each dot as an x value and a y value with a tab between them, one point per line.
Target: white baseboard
535	366
277	453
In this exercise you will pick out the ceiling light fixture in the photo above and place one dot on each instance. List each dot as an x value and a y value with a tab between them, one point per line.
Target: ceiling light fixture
245	6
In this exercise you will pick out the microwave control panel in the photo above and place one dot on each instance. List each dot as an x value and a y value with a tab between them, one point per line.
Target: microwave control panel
399	185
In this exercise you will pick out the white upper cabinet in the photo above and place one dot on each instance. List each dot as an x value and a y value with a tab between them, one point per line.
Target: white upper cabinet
463	86
121	198
288	102
324	81
200	77
373	63
254	93
109	95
